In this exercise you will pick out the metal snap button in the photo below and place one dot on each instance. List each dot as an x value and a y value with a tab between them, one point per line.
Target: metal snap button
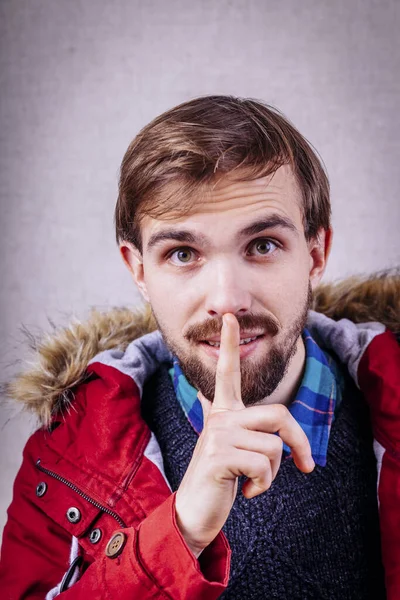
116	544
73	515
41	489
95	535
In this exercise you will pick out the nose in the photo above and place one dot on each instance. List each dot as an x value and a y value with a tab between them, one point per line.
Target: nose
226	291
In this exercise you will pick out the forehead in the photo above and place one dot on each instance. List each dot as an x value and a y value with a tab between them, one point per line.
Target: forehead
229	203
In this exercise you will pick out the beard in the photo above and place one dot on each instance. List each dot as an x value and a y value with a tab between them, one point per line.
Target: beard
258	378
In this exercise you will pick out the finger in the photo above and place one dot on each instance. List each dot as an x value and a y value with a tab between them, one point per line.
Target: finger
205	405
269	444
276	418
251	490
256	467
228	381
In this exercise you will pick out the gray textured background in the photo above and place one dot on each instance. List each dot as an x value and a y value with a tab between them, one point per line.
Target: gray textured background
79	78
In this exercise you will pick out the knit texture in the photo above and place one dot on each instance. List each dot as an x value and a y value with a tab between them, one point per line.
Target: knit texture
309	537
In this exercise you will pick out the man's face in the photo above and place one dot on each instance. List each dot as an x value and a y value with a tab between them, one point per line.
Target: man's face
241	250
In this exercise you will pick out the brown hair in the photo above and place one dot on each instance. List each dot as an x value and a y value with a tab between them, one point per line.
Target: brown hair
189	146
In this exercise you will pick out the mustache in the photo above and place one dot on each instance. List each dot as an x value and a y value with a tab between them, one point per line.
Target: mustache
249	321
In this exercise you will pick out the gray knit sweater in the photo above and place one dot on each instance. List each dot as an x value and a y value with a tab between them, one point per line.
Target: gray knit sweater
312	536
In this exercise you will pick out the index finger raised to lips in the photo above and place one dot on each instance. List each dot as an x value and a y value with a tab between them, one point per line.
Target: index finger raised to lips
228	380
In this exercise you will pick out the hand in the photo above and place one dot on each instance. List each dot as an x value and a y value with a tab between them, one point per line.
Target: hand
235	441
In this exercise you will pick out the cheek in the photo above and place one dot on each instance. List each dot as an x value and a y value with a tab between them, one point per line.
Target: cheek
285	291
168	301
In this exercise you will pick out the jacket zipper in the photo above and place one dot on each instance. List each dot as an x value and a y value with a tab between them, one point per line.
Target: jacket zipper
82	494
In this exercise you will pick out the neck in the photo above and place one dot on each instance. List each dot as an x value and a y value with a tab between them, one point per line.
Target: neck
290	383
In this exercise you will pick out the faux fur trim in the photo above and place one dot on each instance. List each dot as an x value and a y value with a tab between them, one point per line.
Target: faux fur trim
48	387
363	299
62	356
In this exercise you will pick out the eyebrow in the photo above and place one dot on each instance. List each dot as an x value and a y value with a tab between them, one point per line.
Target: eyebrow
178	235
270	222
188	237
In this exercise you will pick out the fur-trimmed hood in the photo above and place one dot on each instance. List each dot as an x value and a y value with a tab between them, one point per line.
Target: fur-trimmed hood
63	355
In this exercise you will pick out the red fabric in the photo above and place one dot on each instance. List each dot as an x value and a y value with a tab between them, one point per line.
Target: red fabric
154	539
98	448
379	380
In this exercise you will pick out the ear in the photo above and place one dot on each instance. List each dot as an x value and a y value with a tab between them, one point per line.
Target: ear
133	260
319	249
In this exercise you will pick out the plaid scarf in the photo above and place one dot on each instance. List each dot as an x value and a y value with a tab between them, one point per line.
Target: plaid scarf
314	406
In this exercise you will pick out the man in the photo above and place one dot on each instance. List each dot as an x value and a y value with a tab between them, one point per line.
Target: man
223	219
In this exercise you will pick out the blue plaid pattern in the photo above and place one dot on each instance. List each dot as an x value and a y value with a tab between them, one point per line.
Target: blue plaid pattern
314	406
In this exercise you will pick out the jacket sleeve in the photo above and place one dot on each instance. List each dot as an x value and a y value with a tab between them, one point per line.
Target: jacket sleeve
372	356
155	561
379	380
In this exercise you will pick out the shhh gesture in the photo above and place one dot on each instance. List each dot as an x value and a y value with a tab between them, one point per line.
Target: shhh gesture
235	441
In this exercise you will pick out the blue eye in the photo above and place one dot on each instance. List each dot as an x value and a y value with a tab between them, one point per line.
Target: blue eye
264	247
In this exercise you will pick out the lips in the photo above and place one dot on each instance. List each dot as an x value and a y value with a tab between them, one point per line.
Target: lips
247	346
242	342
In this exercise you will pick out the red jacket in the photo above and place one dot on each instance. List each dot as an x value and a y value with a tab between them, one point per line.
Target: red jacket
91	503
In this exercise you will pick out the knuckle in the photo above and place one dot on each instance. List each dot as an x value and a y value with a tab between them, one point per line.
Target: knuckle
217	421
281	412
261	463
263	474
214	460
216	437
272	444
277	444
